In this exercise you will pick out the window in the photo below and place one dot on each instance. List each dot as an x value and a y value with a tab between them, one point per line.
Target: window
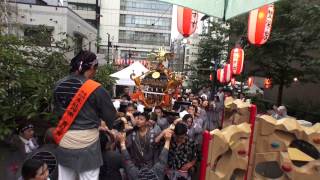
147	38
82	6
78	43
188	51
144	6
145	22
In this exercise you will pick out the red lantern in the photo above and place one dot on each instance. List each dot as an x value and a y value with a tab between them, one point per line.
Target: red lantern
250	81
267	83
220	75
227	73
260	24
233	81
187	21
236	60
211	78
224	75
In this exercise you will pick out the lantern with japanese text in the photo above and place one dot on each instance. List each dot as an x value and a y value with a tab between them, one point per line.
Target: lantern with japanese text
236	60
250	81
267	83
233	81
187	21
260	24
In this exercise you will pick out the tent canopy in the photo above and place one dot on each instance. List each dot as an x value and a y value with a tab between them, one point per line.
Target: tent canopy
124	74
224	9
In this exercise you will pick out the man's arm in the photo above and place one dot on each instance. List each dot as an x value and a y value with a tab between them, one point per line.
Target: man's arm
129	166
159	167
106	110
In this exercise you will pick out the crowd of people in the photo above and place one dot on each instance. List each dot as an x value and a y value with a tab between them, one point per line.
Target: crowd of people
103	142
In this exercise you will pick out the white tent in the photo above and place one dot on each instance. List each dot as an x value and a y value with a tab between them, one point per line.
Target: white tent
124	74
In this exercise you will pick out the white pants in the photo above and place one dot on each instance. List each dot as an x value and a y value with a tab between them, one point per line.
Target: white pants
69	174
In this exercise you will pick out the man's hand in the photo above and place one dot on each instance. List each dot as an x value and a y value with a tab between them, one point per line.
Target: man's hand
167	134
176	121
187	166
121	137
103	126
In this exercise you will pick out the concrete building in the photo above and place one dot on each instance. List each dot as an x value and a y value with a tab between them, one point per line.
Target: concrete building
134	28
87	9
192	50
62	22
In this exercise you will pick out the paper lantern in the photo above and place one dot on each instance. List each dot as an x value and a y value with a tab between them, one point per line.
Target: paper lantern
250	81
187	21
267	83
227	73
211	78
220	75
260	24
224	75
236	60
233	81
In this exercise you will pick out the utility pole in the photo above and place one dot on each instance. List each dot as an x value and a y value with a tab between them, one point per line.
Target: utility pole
109	44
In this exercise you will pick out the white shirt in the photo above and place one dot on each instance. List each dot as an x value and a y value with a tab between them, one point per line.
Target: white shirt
29	146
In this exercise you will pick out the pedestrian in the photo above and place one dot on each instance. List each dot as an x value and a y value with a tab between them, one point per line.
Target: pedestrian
77	135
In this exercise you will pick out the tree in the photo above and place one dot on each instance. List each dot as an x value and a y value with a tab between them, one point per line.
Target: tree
289	52
213	49
28	74
103	76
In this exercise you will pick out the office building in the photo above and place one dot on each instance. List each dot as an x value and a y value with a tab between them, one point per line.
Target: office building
134	28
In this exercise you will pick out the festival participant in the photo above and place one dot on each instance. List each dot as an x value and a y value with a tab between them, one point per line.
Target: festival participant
112	160
77	134
21	144
198	124
214	114
141	142
182	154
155	172
200	112
25	141
161	120
126	93
34	169
138	96
220	93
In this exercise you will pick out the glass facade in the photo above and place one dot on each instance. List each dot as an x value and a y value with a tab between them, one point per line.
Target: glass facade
149	22
137	37
82	6
146	6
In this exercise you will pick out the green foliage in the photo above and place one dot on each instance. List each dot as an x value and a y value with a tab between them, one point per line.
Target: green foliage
292	48
103	76
213	45
28	73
